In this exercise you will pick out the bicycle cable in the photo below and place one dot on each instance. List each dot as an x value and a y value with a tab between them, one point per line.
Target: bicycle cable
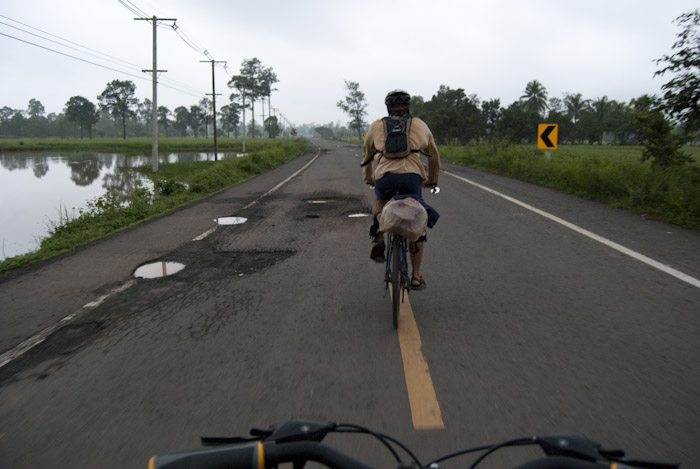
352	428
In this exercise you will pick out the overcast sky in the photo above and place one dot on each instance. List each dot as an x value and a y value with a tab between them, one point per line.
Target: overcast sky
491	48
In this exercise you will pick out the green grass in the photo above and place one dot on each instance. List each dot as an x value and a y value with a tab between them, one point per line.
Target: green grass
609	174
131	145
176	184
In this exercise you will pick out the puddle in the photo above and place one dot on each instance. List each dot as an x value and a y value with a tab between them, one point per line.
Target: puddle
231	220
358	215
158	269
318	201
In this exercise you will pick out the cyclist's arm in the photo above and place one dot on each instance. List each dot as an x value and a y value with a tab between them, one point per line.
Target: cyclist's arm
433	162
369	149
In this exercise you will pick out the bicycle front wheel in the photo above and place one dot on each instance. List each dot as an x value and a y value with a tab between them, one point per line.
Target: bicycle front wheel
395	279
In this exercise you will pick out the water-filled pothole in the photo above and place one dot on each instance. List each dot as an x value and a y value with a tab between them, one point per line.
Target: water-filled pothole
158	269
358	215
231	220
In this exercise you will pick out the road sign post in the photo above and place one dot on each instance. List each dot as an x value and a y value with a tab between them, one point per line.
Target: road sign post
547	135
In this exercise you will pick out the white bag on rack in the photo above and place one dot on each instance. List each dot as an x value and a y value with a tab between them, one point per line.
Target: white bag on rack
406	217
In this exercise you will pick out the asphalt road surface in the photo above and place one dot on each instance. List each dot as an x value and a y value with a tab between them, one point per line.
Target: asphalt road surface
543	313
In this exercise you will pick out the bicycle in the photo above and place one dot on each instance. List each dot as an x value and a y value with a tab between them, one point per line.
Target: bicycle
396	271
300	441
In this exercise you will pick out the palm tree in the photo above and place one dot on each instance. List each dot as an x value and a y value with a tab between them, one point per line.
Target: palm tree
575	107
535	97
601	108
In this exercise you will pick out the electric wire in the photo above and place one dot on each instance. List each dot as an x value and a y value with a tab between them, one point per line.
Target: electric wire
102	55
137	8
140	77
132	8
68	41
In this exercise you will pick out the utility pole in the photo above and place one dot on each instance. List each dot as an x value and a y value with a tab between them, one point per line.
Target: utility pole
213	98
262	105
155	71
243	111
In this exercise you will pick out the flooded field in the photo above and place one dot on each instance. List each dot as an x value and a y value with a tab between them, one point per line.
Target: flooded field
39	189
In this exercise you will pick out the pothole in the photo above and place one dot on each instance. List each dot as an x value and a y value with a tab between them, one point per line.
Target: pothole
158	269
231	220
318	201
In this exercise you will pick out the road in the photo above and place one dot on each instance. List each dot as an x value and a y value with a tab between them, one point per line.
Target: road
527	326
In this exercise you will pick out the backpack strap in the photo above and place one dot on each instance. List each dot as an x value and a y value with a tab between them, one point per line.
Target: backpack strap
409	119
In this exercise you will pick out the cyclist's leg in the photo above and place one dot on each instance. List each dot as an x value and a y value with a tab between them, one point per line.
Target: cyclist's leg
417	250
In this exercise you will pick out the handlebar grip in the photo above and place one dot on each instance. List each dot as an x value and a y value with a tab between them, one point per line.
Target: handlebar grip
248	456
562	462
309	451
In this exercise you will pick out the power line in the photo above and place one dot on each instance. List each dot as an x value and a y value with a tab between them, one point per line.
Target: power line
66	40
132	8
114	60
140	77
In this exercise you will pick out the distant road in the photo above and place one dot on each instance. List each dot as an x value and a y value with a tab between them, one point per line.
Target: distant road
528	325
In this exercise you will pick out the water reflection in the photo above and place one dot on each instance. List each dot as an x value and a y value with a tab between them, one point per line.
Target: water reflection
158	269
39	189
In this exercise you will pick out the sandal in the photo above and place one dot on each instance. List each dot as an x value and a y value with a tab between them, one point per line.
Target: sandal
421	283
378	249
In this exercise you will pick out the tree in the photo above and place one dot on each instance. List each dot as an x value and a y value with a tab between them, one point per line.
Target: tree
323	131
520	123
164	118
682	92
354	106
453	116
35	108
267	79
597	119
82	110
273	127
493	116
182	120
661	143
230	118
118	98
207	107
145	111
197	118
575	108
535	97
248	83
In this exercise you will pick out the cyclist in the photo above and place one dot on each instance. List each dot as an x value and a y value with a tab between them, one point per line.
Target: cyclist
394	176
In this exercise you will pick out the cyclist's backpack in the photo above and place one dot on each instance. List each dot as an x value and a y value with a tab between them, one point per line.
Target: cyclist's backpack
397	130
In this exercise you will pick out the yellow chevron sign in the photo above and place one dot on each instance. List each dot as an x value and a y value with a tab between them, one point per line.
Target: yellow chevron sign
547	136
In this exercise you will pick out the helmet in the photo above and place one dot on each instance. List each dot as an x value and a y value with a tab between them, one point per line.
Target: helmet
397	99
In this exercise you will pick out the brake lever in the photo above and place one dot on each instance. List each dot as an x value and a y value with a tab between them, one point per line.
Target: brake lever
225	440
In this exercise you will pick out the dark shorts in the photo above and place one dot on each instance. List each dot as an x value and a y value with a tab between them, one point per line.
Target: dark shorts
397	184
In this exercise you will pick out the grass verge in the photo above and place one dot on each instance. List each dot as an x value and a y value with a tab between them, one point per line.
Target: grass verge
140	145
613	175
175	184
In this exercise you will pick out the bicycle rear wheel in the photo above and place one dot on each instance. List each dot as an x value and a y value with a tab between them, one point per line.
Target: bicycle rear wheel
395	279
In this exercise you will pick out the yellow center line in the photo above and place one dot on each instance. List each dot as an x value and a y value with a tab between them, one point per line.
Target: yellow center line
425	410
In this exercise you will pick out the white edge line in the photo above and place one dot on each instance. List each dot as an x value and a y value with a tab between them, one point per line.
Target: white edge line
640	257
211	230
38	338
296	173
